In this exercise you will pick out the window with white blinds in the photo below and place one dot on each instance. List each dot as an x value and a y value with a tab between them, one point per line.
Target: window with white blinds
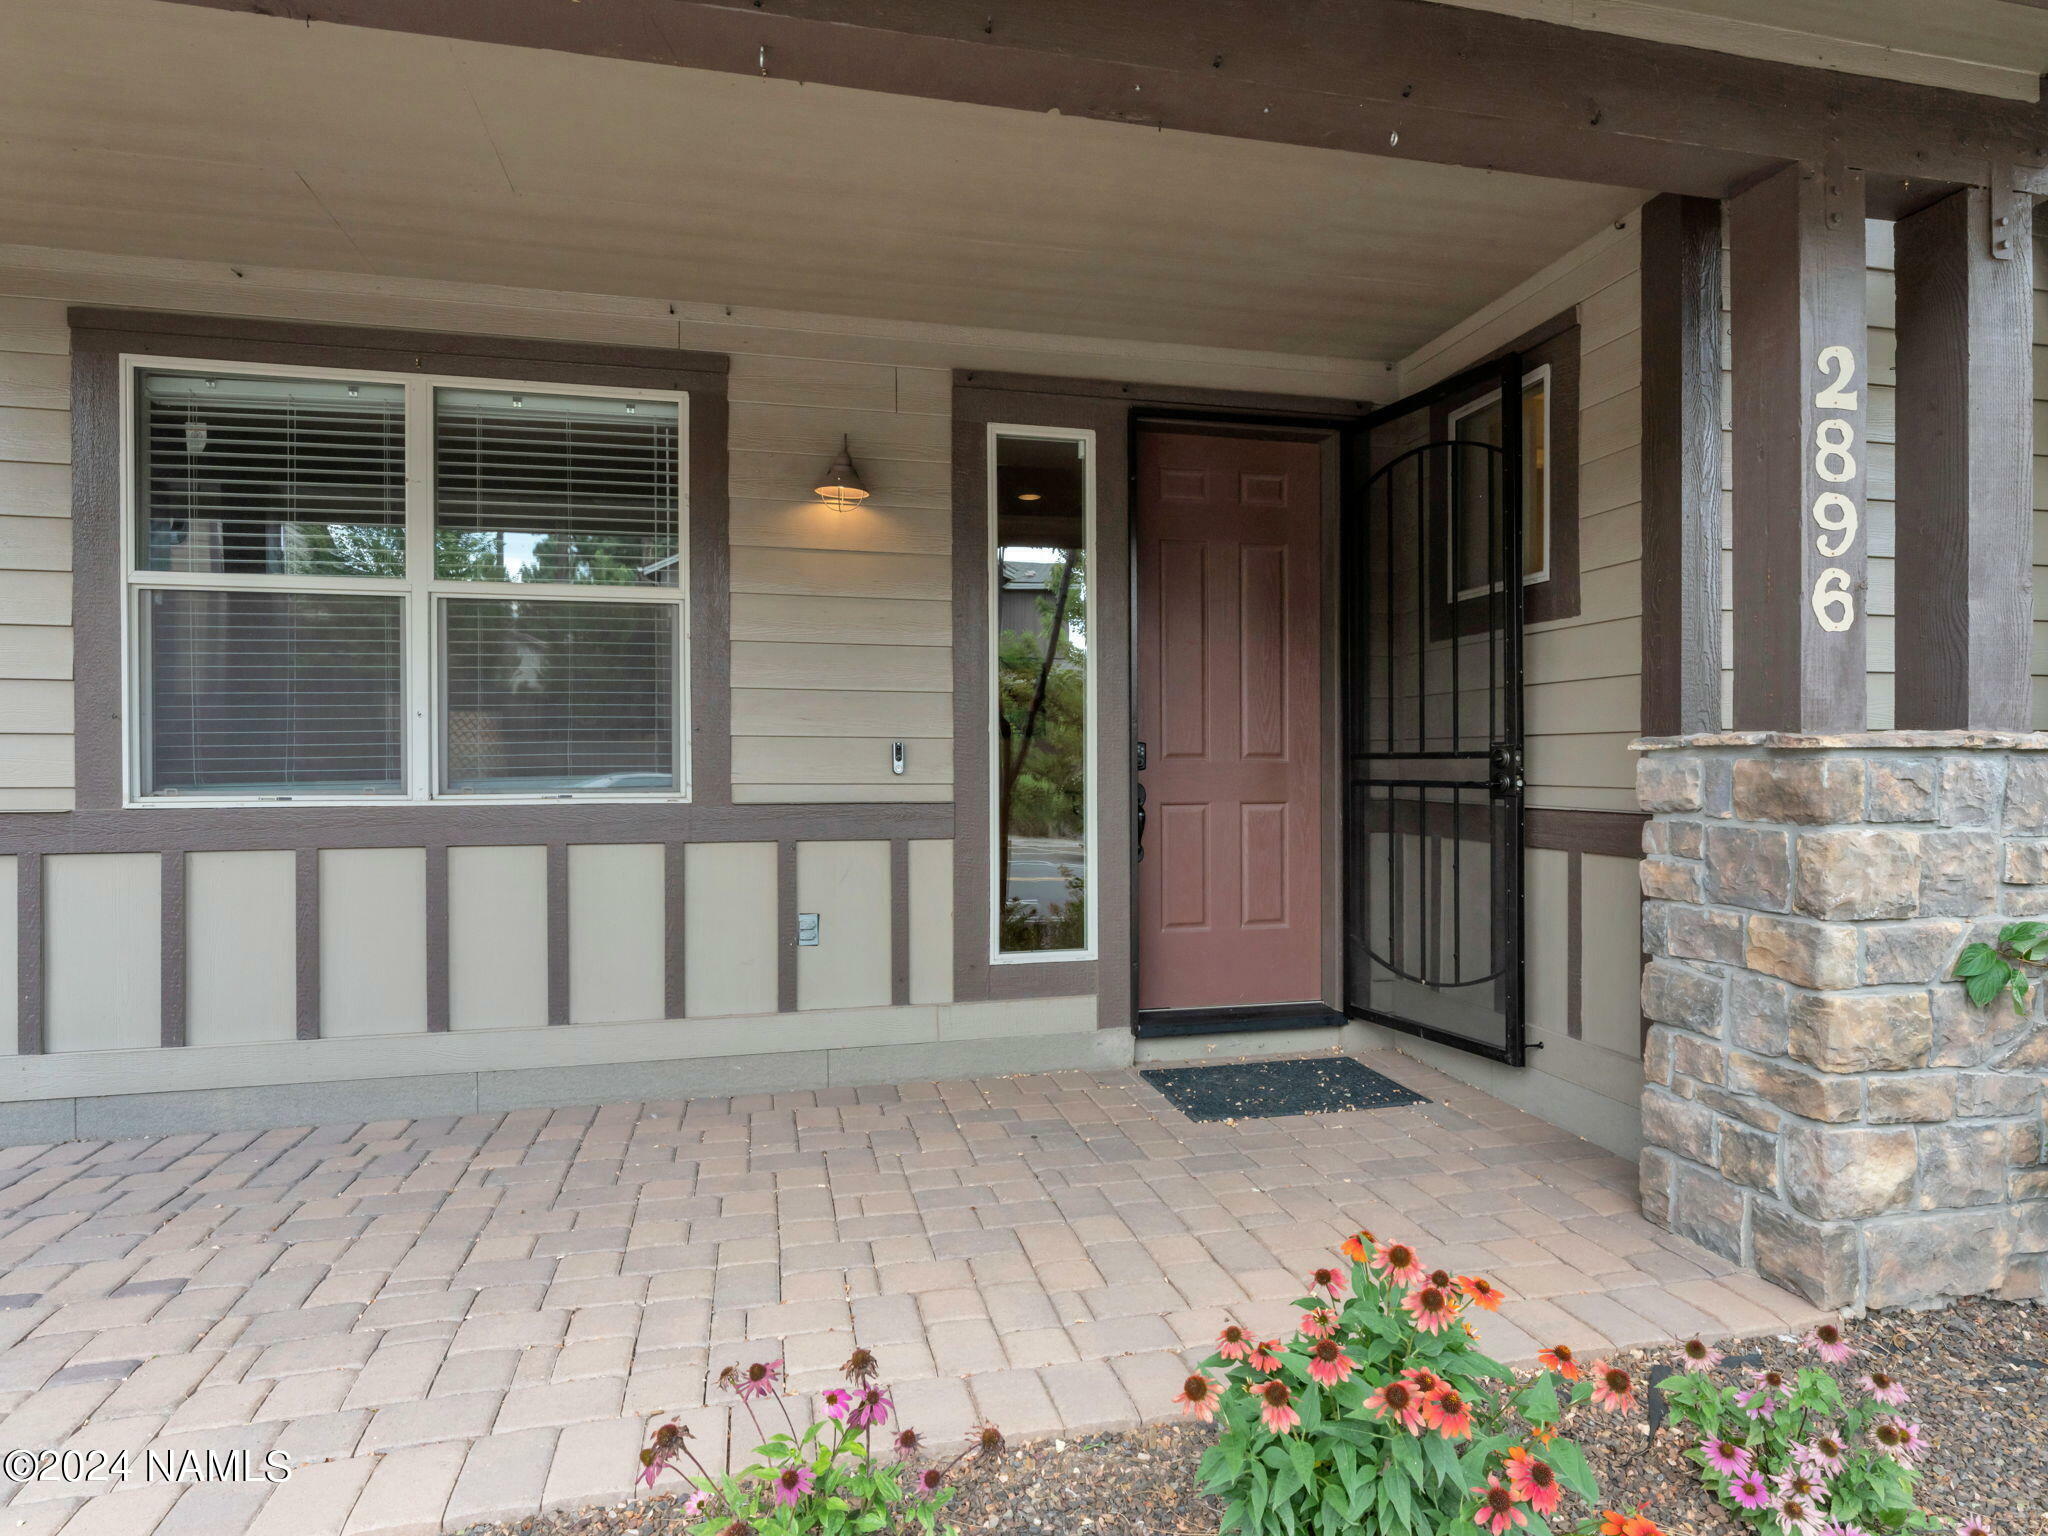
306	554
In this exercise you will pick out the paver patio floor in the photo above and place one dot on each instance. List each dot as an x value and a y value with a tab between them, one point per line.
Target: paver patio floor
441	1321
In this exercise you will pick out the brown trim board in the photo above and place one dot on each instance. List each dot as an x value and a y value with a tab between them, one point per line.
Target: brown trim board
1612	834
1392	78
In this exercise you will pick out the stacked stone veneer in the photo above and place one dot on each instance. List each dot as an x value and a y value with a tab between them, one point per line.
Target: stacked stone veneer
1820	1101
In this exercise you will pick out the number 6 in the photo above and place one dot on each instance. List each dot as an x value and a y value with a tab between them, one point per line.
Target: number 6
1833	605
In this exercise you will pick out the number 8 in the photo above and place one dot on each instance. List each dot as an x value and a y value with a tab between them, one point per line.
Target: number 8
1832	460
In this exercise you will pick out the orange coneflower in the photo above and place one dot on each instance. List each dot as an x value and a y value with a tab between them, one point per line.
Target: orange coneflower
1331	1282
1265	1356
1358	1246
1448	1414
1483	1293
1318	1323
1399	1401
1559	1358
1233	1343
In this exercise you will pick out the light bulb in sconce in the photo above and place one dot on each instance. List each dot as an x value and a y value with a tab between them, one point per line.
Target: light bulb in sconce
841	482
1029	496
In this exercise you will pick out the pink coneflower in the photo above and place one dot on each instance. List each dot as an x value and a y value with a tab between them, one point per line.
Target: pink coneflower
1331	1282
1265	1356
1825	1340
929	1479
872	1407
1431	1308
1533	1482
1559	1358
1400	1402
1613	1388
1765	1395
1795	1482
696	1503
1973	1527
1274	1405
1912	1440
1822	1455
1698	1355
1198	1398
1400	1265
1448	1414
1797	1516
1328	1363
1882	1387
1318	1323
907	1442
790	1486
758	1379
1498	1512
838	1402
1482	1293
1233	1343
1749	1490
1890	1437
1727	1456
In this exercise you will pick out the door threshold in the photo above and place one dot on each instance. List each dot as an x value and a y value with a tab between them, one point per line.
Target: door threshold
1170	1023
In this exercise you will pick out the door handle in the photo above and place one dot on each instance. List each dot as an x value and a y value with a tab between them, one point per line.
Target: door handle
1139	855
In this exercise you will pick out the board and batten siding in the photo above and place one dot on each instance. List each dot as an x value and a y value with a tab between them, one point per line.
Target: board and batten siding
1582	944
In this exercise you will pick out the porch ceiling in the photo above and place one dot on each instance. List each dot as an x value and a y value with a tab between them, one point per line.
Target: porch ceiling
140	127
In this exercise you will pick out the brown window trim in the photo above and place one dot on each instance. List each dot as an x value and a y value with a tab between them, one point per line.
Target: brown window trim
101	337
1554	343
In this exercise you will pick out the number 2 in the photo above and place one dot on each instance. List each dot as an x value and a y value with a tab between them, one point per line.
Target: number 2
1841	362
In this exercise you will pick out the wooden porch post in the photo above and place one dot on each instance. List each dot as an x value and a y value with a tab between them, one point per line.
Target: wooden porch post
1681	566
1966	470
1801	383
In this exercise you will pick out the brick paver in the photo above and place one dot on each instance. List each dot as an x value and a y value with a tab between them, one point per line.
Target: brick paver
457	1319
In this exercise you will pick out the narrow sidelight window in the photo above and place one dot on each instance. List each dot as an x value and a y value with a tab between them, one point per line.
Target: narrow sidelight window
1042	484
348	585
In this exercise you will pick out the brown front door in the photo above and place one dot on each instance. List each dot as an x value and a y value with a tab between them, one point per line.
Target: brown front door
1230	710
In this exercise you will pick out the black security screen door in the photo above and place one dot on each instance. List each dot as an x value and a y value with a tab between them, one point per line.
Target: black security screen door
1432	598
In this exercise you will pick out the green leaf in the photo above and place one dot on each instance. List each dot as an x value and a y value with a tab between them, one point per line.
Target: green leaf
2019	934
1985	986
1975	960
1572	1470
1442	1459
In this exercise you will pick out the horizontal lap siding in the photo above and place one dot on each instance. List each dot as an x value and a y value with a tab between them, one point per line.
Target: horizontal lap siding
35	557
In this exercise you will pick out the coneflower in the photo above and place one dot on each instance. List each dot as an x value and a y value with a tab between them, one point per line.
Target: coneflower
1559	1358
1482	1292
1822	1455
1698	1355
1331	1282
985	1441
758	1379
1431	1309
908	1443
1614	1390
1399	1265
1399	1401
1198	1398
1328	1363
1727	1456
1498	1512
1532	1481
1825	1340
1275	1405
1882	1387
1233	1343
861	1367
1448	1414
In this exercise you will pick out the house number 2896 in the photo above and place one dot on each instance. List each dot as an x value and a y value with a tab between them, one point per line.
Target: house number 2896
1834	512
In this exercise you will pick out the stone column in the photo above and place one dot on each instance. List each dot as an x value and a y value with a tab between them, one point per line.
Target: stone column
1821	1102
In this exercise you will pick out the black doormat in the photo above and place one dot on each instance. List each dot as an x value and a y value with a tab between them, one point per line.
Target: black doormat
1265	1090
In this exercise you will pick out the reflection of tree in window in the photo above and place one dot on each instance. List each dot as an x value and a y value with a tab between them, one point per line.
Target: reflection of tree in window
1041	619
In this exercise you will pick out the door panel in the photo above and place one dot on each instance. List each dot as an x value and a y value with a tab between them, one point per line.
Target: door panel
1433	726
1229	539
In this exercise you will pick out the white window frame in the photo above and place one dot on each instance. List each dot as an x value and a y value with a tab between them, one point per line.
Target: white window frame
1091	831
1539	374
422	595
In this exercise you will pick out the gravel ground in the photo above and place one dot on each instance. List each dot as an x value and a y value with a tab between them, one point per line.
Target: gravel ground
1978	1372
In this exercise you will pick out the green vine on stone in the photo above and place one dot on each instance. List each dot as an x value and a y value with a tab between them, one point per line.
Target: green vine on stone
1985	970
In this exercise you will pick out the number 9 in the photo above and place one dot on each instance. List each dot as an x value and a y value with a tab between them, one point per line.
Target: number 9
1837	514
1833	605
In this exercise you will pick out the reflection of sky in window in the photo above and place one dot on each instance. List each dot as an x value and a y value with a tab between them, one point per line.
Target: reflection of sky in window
1026	554
519	548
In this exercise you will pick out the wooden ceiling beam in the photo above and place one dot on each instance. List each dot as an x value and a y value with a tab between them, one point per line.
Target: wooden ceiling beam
1401	78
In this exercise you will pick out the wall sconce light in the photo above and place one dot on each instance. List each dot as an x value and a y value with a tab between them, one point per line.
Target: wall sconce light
842	482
